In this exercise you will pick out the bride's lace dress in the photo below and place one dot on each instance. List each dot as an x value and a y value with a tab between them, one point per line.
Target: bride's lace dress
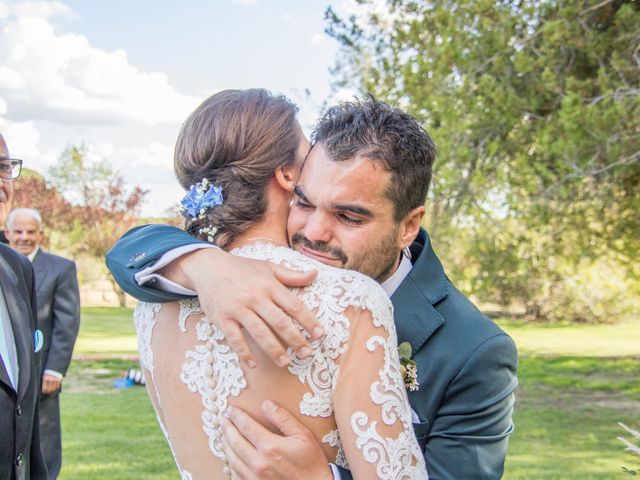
349	392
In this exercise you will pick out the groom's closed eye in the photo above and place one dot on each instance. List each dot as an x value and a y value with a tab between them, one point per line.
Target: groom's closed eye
300	200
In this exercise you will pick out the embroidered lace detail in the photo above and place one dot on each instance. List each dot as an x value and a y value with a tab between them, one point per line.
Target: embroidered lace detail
333	439
394	458
330	295
213	370
144	320
187	307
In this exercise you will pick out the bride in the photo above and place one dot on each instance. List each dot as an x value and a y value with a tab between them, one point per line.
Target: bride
239	155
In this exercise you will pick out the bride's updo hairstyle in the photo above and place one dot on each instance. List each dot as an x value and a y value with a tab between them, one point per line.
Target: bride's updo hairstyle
236	139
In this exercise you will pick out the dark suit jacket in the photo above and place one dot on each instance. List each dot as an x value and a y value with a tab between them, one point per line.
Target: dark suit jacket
20	453
58	309
466	363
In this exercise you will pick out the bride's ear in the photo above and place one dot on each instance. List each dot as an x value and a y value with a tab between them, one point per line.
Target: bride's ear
286	177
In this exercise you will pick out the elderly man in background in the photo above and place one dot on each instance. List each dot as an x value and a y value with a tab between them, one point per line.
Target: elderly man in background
58	300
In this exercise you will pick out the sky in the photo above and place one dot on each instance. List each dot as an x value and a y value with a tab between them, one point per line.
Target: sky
121	76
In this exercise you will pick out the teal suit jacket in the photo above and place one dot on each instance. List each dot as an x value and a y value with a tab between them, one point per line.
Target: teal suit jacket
466	364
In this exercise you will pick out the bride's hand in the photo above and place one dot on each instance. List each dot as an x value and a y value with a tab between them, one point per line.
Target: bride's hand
238	292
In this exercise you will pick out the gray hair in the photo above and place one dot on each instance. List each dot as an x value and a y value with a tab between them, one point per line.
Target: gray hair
29	212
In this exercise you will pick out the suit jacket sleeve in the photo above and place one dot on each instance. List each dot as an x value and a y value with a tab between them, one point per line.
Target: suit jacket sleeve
469	436
66	319
139	248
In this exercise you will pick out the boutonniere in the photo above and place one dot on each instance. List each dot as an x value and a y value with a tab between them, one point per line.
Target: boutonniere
408	367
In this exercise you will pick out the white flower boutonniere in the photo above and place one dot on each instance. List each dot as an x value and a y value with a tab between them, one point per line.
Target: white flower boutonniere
408	367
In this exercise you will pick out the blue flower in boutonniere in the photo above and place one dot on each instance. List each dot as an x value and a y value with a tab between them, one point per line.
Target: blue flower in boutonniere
408	367
200	197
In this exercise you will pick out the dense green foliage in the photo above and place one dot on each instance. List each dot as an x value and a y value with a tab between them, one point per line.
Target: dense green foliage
535	109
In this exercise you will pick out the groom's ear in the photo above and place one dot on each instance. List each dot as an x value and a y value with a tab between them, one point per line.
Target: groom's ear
286	177
410	226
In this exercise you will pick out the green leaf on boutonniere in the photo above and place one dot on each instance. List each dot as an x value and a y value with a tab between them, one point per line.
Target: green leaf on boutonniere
408	367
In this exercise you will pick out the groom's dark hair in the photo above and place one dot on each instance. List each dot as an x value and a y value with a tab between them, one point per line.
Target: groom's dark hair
383	134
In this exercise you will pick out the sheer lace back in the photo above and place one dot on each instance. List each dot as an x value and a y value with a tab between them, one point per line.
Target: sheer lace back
349	392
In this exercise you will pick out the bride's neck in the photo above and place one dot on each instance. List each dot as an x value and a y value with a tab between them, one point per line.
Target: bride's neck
272	228
264	233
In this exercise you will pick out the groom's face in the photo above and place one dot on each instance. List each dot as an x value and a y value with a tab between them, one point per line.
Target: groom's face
341	215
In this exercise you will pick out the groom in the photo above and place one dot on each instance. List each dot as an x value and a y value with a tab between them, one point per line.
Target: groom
363	185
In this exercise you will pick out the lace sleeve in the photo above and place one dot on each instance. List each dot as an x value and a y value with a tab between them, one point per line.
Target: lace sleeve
371	406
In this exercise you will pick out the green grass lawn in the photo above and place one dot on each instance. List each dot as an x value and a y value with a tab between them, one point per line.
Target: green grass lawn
576	383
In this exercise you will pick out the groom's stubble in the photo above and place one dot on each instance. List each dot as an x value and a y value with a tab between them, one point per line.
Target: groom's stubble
378	261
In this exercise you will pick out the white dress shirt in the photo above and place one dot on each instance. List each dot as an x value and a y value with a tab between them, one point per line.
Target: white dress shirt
8	350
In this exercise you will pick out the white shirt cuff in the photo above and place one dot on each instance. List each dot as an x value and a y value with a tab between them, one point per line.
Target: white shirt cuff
164	284
335	471
53	373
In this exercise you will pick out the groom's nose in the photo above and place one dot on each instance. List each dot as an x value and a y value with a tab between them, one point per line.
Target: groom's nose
318	227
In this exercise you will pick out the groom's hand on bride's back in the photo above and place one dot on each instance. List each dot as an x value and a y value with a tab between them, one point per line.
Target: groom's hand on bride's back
252	451
239	293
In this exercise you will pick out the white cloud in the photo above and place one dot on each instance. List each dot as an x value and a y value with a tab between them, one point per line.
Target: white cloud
42	9
22	139
61	77
4	10
246	2
344	94
317	39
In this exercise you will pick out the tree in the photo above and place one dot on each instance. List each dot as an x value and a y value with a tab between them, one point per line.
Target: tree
33	191
104	209
534	107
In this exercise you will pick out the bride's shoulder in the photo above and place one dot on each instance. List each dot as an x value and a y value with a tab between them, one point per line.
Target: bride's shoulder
345	287
350	283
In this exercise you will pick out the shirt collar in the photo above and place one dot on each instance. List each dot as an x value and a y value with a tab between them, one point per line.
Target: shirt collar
391	284
33	254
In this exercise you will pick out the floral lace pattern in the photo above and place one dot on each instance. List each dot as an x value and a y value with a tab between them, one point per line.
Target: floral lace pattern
212	370
333	439
144	321
143	318
393	458
330	295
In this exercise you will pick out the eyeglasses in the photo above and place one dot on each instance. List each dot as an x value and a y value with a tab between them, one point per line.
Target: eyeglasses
10	168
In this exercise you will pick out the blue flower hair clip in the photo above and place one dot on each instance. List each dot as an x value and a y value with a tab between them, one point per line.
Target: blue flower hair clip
199	198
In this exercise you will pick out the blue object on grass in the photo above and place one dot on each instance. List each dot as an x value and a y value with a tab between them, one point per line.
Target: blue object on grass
123	383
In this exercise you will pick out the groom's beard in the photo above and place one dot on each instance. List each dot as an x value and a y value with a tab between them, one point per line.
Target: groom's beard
378	261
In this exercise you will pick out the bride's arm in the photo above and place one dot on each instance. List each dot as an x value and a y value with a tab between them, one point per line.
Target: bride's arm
371	406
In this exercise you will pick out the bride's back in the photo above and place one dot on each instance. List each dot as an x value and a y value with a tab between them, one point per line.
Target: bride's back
192	375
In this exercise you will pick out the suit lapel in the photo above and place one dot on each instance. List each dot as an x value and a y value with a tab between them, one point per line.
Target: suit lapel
425	285
20	323
4	376
40	267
